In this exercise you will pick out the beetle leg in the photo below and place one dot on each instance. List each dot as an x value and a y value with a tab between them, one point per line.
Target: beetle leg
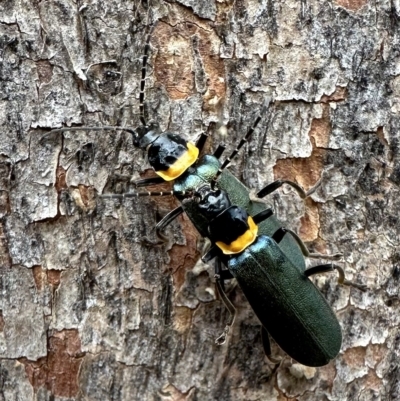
148	181
164	222
331	267
278	183
167	219
212	253
219	276
279	234
201	141
263	215
218	152
267	346
304	249
244	140
138	183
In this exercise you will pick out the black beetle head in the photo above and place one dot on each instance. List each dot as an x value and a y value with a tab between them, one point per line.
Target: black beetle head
170	155
212	202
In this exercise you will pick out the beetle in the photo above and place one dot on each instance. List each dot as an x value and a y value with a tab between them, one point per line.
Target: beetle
176	160
289	306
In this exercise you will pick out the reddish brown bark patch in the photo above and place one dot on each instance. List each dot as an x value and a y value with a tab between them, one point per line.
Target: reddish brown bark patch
170	392
372	381
60	179
339	95
84	198
5	258
381	136
58	372
177	57
182	319
87	196
310	222
307	171
39	277
54	278
327	375
184	258
44	70
353	5
173	62
354	357
44	277
320	131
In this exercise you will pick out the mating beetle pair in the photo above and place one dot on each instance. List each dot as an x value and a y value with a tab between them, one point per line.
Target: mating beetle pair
267	260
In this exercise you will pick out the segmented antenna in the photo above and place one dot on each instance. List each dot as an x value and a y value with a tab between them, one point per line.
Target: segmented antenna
143	79
146	193
141	100
241	143
105	127
235	152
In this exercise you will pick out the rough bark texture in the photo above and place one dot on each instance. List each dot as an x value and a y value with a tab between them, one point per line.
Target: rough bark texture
89	309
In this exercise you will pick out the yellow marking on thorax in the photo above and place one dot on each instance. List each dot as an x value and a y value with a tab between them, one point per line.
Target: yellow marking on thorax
241	243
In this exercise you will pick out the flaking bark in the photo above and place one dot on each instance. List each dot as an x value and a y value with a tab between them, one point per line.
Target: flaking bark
90	308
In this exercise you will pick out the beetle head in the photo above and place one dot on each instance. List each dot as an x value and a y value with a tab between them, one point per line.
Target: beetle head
144	135
212	202
170	155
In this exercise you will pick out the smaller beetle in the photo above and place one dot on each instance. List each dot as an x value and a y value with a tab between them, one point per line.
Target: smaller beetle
287	303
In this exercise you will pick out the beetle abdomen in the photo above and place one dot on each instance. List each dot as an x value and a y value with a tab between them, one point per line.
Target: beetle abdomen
287	303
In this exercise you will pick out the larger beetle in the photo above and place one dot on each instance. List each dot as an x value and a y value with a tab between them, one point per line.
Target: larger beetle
174	159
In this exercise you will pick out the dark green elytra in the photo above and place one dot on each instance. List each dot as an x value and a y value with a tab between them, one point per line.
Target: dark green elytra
202	172
287	303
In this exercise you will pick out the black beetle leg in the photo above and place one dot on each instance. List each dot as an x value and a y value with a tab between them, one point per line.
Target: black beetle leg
267	346
220	277
218	152
263	215
331	267
148	181
164	222
168	219
305	250
268	189
278	183
201	141
212	253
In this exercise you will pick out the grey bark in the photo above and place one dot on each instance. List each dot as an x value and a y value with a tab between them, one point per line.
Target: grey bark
90	310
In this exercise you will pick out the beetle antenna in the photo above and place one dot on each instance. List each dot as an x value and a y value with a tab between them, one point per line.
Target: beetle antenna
185	194
241	143
104	128
141	99
143	79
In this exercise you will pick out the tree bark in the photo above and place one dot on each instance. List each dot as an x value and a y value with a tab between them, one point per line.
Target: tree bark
91	308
